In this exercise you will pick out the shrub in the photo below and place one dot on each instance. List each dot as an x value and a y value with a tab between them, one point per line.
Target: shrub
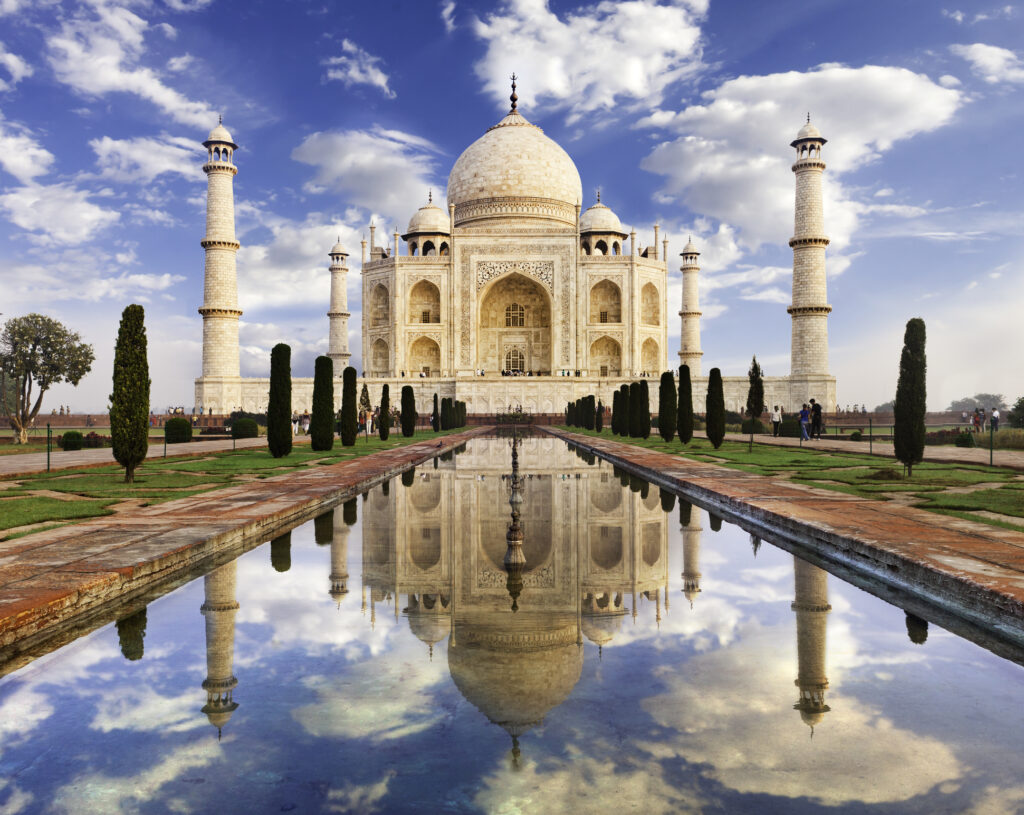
965	439
752	426
408	411
129	402
244	429
321	423
349	407
790	427
94	440
279	404
1010	439
384	416
667	406
178	430
71	440
856	435
715	409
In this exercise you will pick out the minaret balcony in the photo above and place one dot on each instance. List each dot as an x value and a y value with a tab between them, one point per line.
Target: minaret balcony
217	243
810	240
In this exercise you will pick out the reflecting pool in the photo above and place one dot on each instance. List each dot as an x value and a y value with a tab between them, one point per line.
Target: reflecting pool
657	660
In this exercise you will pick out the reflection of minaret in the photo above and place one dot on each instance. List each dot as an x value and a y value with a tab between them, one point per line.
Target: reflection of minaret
339	557
219	610
515	560
691	556
811	606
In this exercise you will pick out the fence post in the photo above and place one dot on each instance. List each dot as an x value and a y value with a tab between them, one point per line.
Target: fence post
871	438
991	442
49	436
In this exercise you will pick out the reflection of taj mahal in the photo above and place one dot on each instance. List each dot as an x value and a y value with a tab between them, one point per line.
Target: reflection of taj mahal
515	276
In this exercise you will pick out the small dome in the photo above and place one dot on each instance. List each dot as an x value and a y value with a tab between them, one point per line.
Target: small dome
220	134
601	628
338	249
601	219
808	133
430	628
429	220
690	249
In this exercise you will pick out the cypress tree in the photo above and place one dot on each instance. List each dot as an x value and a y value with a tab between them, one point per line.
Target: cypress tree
667	406
567	408
616	411
645	410
909	408
349	419
589	412
435	417
384	417
408	411
462	414
635	410
129	403
321	423
684	406
364	399
572	414
599	417
755	393
279	403
714	408
627	412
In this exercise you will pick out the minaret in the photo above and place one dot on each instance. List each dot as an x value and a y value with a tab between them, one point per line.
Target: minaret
337	344
689	340
811	605
810	309
220	291
339	556
691	556
219	609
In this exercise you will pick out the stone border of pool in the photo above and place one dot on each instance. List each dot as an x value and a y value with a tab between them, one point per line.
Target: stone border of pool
967	571
56	579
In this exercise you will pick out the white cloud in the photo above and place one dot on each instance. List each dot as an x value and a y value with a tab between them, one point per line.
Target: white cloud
21	155
991	63
182	63
168	30
144	159
12	6
188	5
59	213
358	67
731	161
15	66
949	81
885	192
601	57
956	15
385	171
100	56
448	15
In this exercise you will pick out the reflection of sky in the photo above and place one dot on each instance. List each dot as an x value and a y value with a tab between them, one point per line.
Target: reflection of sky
693	715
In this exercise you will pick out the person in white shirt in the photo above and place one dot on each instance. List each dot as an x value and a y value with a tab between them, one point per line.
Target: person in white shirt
995	419
776	421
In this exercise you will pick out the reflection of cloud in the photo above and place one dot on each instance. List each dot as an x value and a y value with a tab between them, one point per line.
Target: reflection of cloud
139	709
363	798
17	799
368	704
21	712
713	703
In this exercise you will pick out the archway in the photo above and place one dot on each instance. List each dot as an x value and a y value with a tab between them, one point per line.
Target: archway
425	357
606	357
515	315
650	305
649	357
425	303
380	307
605	303
379	359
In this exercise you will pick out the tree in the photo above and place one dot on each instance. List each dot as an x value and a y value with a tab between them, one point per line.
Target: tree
572	415
131	632
667	406
755	393
635	411
349	417
714	407
129	401
37	352
408	411
645	410
986	401
684	409
627	413
1016	416
279	404
364	399
599	417
908	412
616	411
321	423
589	412
435	417
886	407
384	418
446	413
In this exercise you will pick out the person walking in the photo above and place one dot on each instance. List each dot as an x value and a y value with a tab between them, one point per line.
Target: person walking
805	420
995	420
815	420
776	421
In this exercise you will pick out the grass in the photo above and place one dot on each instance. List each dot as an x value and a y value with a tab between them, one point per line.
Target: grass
160	480
864	476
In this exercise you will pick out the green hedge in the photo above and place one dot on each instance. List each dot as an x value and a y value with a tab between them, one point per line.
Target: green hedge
758	426
71	440
178	430
244	429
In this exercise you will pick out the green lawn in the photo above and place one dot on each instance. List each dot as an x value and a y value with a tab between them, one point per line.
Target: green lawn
162	480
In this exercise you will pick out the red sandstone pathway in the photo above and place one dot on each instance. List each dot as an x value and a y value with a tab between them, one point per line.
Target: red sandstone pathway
971	569
50	577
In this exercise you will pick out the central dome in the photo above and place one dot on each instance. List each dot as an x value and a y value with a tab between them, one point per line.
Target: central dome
514	172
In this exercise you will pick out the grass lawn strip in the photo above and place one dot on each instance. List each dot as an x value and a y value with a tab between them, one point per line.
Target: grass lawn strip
16	512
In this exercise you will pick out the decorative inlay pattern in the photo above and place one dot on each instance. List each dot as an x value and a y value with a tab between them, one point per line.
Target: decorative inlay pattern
542	270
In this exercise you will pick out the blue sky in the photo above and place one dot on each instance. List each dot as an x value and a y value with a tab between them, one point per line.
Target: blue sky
681	112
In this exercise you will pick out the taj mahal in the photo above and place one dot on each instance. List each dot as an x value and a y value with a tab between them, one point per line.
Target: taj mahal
515	294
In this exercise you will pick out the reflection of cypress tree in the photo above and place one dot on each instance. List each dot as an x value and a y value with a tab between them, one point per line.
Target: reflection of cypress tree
385	488
685	508
715	522
349	512
623	477
917	629
130	633
636	483
323	528
408	477
435	462
668	500
281	552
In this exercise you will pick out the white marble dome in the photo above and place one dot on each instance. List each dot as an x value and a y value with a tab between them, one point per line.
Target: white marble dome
600	218
338	249
808	131
220	134
511	162
429	220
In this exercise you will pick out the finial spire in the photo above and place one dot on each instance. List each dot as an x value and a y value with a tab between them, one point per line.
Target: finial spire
430	196
220	119
599	195
513	95
808	117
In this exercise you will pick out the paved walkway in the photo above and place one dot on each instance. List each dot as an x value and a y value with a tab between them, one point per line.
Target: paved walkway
946	453
972	570
25	463
49	578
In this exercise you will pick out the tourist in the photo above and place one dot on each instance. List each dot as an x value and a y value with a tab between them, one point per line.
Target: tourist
776	421
981	413
815	420
805	419
976	421
995	420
